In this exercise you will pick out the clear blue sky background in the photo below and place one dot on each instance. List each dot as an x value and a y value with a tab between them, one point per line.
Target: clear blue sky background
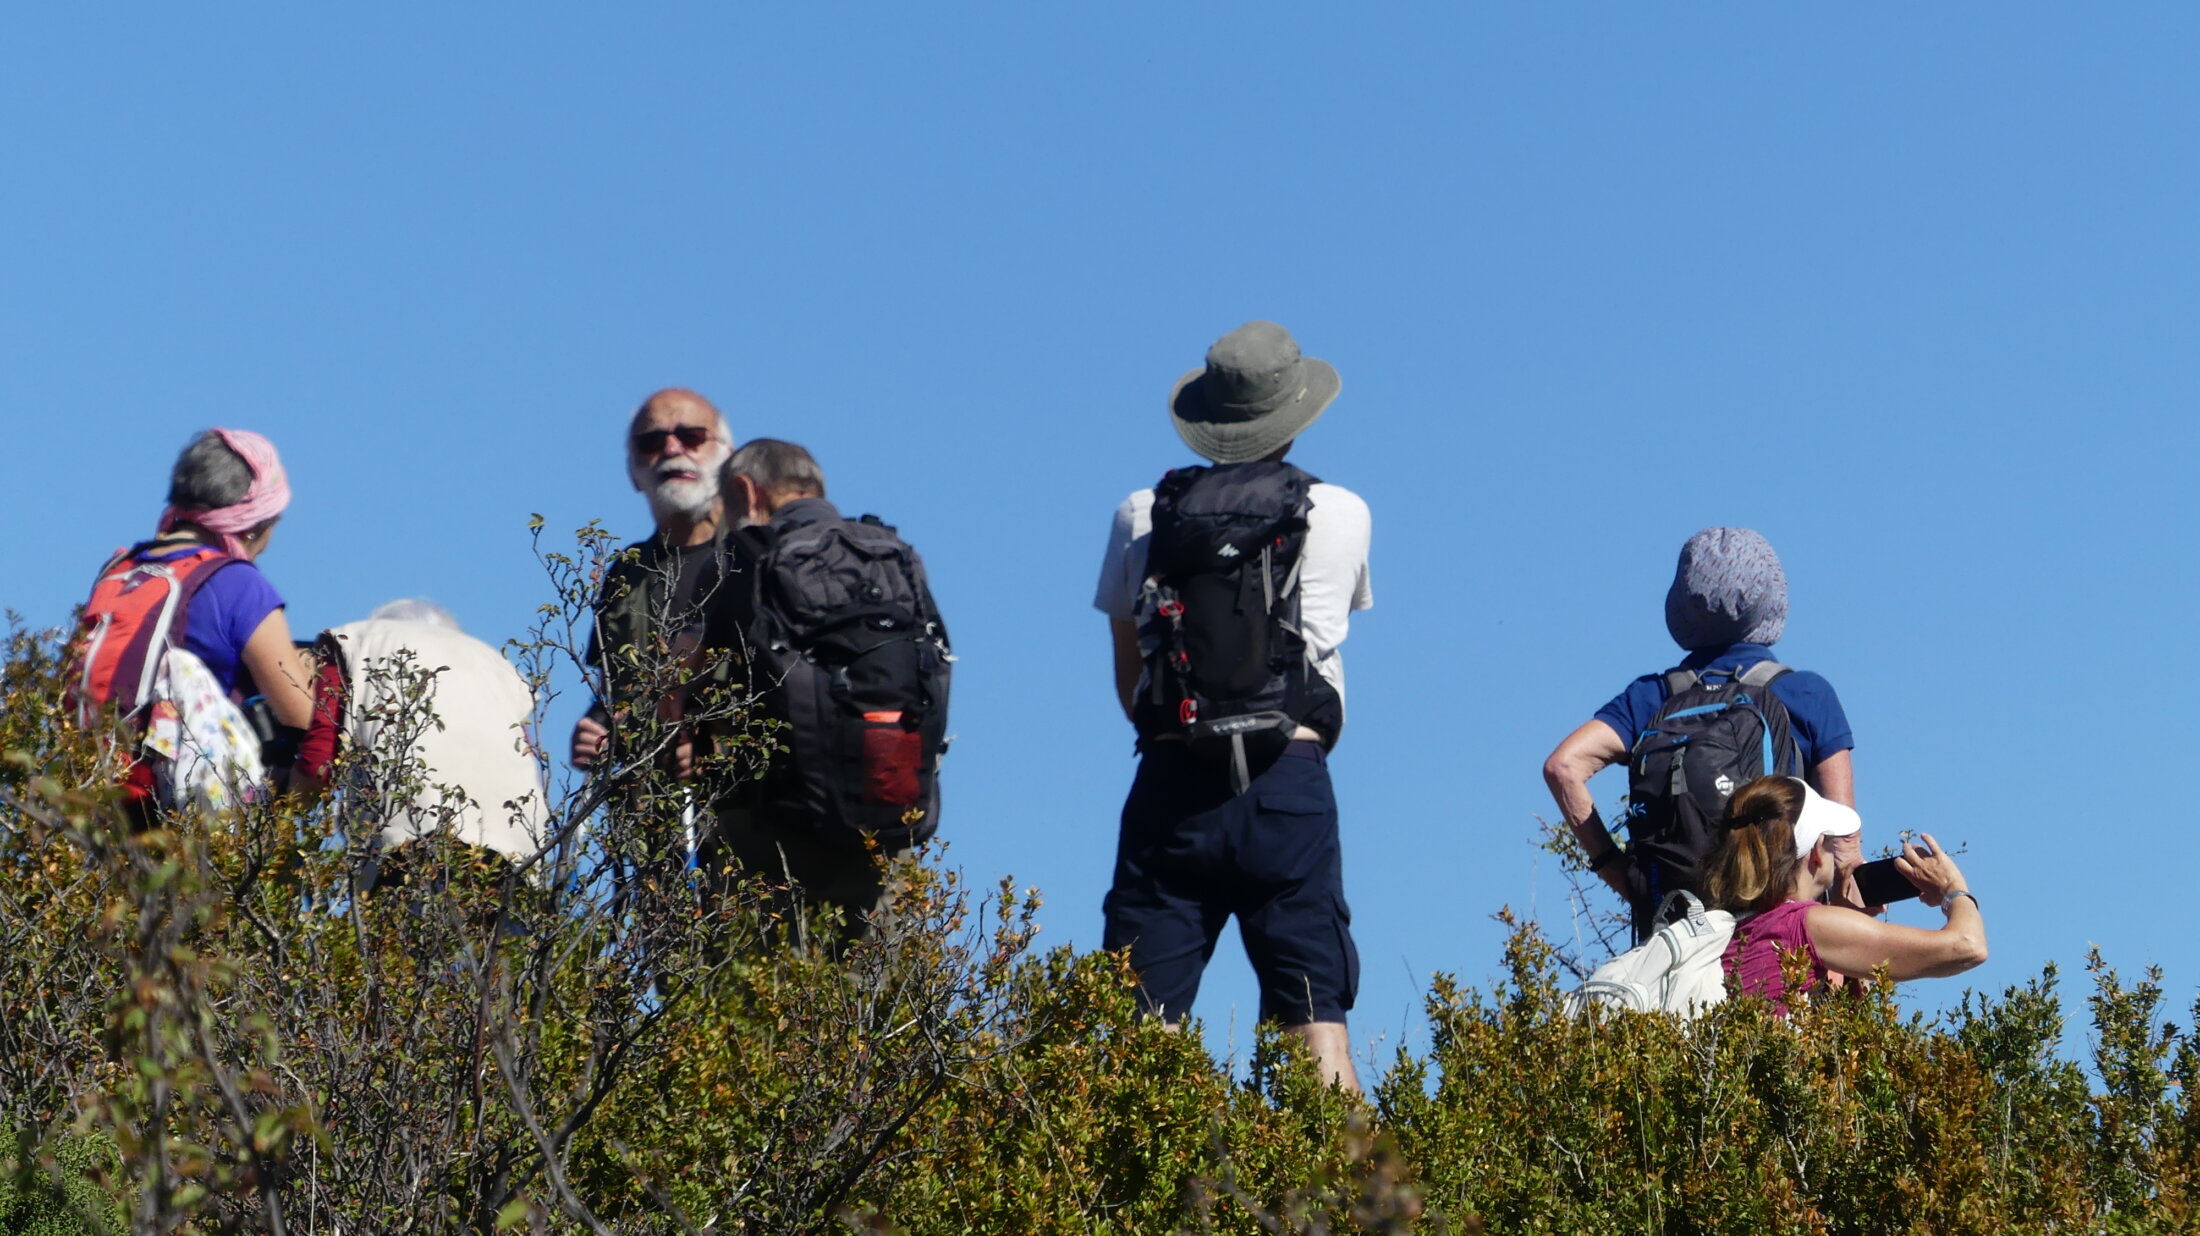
1913	293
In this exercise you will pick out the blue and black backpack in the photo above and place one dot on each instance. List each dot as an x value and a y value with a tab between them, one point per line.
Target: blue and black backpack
1713	736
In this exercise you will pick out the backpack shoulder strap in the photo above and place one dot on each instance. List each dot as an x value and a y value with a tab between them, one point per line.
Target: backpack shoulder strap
1299	484
1678	905
756	540
1679	679
127	553
125	556
1760	678
1176	480
203	572
141	659
203	566
188	587
1762	674
748	552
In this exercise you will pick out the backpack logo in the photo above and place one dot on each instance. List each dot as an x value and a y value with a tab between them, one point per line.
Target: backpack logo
1707	741
1227	551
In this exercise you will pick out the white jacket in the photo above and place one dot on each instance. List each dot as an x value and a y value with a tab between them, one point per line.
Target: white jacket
477	776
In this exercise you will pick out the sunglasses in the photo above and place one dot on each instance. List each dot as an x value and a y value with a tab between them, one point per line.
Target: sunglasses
652	441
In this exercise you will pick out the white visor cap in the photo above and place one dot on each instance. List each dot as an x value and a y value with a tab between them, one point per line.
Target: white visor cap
1822	817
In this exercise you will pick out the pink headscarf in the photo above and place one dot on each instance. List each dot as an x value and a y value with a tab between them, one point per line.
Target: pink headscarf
269	494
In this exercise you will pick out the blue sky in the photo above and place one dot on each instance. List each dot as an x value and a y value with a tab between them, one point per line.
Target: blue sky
1913	293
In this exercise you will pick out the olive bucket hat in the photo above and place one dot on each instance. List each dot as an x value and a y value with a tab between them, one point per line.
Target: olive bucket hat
1254	395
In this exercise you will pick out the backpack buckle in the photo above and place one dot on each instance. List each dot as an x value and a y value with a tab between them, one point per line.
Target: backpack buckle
1187	711
1171	609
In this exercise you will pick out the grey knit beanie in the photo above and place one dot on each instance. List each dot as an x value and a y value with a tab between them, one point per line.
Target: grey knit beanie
1728	589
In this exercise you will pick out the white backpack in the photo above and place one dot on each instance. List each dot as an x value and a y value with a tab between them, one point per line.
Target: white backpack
205	751
1678	971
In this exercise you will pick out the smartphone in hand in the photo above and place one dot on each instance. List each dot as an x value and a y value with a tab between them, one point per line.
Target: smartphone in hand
1878	883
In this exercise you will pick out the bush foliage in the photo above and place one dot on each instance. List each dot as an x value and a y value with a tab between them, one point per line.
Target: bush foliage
205	1028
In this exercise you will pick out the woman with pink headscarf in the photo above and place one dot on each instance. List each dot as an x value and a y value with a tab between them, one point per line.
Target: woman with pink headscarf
226	493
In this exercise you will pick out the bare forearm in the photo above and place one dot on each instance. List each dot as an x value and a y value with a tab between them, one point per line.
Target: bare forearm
1963	937
1129	665
1585	752
1603	850
1853	944
1960	946
1568	781
1575	804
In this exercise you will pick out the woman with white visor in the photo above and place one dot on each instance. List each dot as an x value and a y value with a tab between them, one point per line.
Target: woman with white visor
1776	859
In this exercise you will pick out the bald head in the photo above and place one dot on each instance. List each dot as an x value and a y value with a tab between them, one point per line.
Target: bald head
674	404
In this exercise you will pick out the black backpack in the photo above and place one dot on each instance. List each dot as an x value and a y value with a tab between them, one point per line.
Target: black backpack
1707	741
1226	666
847	651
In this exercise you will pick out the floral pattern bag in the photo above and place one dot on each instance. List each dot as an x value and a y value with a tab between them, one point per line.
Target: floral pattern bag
204	750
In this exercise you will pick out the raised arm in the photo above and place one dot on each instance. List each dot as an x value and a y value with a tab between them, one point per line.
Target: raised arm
1856	944
1584	753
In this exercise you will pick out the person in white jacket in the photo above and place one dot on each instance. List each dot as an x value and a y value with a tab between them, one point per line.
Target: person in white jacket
436	727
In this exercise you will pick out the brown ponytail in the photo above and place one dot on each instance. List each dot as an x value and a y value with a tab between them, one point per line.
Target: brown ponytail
1753	865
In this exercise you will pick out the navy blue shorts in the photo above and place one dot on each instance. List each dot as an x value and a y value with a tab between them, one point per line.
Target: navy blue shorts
1191	854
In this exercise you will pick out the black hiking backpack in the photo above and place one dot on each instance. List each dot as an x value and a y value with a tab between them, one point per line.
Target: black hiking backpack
1226	665
1709	739
848	652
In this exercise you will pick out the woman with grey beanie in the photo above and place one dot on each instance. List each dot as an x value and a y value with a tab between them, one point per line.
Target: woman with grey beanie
1726	607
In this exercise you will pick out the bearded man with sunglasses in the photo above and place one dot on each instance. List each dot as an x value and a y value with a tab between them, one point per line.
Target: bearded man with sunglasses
652	598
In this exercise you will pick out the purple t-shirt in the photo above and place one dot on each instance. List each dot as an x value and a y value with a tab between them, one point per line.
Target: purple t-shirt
1754	957
224	613
1821	726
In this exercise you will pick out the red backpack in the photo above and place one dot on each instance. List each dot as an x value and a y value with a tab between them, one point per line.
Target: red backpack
136	614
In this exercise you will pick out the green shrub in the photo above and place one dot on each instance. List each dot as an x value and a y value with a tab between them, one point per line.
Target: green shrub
204	1027
59	1189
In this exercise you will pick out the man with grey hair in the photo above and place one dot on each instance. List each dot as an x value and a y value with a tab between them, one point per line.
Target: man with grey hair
854	671
764	475
1726	607
435	726
652	597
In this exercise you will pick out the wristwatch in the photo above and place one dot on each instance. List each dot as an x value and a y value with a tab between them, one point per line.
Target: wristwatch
1947	899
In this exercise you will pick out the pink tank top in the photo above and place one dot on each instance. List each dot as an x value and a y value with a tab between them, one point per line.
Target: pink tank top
1752	957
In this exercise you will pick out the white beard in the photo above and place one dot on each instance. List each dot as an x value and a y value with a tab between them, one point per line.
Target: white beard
679	499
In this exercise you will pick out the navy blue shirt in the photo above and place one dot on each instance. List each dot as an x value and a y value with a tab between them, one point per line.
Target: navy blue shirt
1821	728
